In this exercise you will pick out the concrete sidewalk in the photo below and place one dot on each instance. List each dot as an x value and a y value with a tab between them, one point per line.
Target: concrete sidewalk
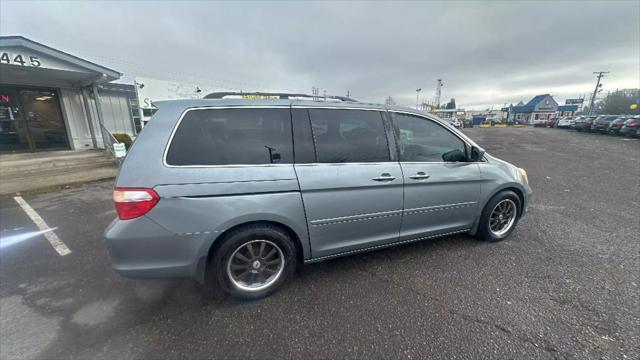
32	171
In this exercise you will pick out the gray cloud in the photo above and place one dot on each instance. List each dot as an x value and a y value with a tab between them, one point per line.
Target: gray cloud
488	53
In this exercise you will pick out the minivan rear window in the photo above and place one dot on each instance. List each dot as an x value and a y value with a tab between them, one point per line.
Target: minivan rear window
232	137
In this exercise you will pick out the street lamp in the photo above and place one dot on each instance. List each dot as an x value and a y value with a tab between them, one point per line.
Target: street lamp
417	94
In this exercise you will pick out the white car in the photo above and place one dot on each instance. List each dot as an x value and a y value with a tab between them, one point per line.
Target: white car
455	122
565	122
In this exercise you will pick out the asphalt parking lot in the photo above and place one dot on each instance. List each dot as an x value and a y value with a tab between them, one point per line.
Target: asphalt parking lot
565	285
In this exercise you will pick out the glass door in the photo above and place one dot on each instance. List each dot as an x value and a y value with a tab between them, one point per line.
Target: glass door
14	134
44	119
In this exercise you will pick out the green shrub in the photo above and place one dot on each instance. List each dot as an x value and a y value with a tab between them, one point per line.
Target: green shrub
124	138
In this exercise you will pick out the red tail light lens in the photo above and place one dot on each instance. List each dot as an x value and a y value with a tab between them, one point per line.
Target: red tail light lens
134	202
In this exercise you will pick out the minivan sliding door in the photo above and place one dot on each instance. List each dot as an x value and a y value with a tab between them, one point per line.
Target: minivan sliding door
352	191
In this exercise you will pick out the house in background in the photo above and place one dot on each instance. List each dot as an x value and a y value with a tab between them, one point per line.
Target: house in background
539	109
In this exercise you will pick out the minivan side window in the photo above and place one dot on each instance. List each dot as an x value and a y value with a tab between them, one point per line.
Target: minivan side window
232	137
343	136
423	140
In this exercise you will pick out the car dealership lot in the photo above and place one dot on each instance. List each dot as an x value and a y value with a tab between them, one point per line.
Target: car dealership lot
564	285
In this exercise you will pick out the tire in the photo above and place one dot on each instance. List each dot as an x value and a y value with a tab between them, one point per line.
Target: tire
258	277
485	231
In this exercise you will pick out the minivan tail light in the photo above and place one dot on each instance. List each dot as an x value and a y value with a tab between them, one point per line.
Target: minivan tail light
134	202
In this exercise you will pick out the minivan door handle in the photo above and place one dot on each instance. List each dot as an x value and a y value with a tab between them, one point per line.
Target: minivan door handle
384	177
419	176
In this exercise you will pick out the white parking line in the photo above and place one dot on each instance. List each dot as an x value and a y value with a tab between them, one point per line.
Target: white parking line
54	240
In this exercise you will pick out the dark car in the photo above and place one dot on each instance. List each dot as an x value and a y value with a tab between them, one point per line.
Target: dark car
616	125
584	124
577	122
551	122
631	126
601	123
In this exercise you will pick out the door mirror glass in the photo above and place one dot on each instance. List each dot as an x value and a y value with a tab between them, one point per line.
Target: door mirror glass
476	154
454	155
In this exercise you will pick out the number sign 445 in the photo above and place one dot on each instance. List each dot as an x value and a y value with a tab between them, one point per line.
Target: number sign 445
18	59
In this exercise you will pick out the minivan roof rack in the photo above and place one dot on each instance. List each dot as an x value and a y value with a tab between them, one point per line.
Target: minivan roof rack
268	95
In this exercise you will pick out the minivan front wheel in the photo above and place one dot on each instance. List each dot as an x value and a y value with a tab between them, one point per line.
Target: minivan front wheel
499	217
252	262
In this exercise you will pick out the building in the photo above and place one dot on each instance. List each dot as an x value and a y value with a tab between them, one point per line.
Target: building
566	110
539	109
490	115
52	100
450	113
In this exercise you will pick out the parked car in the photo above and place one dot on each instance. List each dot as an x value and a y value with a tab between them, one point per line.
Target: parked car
551	122
238	193
630	126
577	122
616	125
584	124
565	122
601	123
455	123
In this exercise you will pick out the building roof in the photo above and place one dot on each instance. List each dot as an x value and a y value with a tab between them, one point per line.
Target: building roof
127	90
21	41
118	87
531	105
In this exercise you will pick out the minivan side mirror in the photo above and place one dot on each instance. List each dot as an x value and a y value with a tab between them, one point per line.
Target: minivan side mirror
454	155
475	154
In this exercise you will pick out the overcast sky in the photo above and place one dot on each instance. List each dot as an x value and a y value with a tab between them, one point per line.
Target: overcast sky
487	53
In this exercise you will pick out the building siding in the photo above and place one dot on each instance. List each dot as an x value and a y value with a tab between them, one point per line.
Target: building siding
76	119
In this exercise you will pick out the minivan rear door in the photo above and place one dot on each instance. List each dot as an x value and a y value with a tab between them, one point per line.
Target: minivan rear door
351	188
441	189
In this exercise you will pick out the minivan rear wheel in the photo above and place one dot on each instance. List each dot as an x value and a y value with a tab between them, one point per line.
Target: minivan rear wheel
499	217
252	262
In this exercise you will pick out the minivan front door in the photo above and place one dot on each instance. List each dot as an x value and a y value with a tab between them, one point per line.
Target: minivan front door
441	189
352	191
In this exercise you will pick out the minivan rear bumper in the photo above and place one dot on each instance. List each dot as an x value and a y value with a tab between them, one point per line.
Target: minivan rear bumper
140	248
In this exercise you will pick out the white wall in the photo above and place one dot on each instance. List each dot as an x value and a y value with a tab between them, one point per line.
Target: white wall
76	119
116	113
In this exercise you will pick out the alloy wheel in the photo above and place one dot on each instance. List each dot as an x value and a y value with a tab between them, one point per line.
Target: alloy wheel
255	265
503	217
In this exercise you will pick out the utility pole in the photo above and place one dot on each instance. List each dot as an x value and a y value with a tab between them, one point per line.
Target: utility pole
417	99
600	74
438	92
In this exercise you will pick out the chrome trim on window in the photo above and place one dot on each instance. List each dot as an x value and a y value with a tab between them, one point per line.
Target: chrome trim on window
336	108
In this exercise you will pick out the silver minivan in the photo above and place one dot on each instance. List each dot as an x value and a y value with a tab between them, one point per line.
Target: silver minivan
237	193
